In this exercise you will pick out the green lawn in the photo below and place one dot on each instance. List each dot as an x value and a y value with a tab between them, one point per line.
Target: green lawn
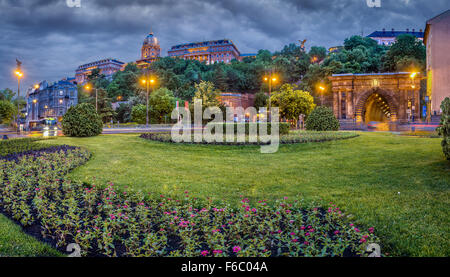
13	242
398	184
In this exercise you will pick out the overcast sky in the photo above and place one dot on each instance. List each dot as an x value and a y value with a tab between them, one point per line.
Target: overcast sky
53	39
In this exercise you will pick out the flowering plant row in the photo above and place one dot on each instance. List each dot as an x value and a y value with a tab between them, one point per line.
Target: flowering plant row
291	138
106	221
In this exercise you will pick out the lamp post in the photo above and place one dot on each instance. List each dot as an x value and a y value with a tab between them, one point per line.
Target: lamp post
270	80
19	75
322	91
88	88
147	81
412	99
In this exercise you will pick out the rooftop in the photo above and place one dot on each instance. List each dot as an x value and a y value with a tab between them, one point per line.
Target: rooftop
393	33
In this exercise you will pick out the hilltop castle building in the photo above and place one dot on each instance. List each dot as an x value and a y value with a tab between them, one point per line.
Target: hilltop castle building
150	51
210	52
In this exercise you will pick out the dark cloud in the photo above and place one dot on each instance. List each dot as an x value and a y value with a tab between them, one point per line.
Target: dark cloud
53	39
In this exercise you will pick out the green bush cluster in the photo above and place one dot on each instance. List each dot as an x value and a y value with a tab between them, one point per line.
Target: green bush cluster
105	221
322	119
444	129
82	120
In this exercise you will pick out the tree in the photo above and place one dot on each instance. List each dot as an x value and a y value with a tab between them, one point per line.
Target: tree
139	114
124	83
260	100
407	54
7	94
207	93
123	113
7	111
317	54
162	103
220	78
292	102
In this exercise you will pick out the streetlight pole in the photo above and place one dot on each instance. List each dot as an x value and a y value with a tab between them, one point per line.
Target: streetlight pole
322	89
19	75
271	79
148	81
148	88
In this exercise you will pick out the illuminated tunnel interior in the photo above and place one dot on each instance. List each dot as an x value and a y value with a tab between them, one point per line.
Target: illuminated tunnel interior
377	109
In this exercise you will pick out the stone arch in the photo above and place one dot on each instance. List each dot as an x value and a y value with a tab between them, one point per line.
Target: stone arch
386	94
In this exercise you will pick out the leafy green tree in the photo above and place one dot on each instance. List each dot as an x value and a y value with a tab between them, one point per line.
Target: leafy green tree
220	78
317	54
7	111
123	113
125	83
139	114
7	94
162	103
292	102
406	54
207	93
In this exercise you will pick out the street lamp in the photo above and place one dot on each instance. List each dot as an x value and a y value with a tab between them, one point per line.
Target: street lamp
271	79
412	99
88	88
148	81
19	75
322	91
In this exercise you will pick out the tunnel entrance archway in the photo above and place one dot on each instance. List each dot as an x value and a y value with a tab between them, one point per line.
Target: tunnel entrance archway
355	97
377	109
377	105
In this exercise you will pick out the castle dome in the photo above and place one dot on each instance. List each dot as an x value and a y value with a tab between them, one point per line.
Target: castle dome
151	39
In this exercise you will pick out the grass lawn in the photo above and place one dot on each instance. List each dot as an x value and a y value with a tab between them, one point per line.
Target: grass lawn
398	184
13	242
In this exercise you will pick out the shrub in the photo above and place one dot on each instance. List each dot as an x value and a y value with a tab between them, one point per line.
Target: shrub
139	114
82	120
444	129
322	119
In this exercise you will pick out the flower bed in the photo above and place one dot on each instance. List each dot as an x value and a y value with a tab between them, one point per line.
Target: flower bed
106	221
291	138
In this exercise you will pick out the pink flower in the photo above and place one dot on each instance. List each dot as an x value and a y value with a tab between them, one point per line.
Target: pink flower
371	230
205	253
292	234
236	249
307	234
294	240
336	232
217	251
306	243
